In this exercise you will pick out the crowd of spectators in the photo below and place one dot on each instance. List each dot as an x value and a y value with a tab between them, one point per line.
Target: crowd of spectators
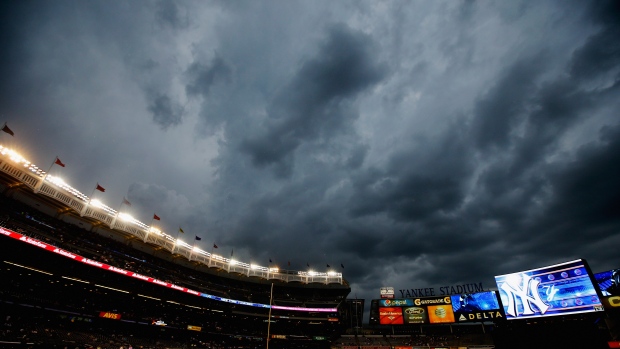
61	292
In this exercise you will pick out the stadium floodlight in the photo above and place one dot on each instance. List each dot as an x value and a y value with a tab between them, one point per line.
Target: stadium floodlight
14	156
56	180
96	203
126	217
154	230
274	270
311	272
332	273
232	262
180	242
254	266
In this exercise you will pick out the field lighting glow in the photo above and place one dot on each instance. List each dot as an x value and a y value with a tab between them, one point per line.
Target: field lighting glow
96	203
53	185
127	217
57	180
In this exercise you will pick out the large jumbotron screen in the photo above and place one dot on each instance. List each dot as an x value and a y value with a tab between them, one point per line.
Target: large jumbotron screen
609	284
559	289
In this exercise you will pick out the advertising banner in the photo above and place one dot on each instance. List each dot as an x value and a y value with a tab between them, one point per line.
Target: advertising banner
415	315
391	316
109	315
476	307
609	284
554	290
387	292
395	302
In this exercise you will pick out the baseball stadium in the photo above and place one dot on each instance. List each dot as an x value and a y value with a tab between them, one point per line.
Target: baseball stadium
79	274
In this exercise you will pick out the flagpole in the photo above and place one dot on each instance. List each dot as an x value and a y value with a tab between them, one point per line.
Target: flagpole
191	253
38	187
211	255
176	242
90	198
117	213
269	317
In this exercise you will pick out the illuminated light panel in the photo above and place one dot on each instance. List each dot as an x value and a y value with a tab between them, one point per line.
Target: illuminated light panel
126	217
25	267
78	280
96	203
141	295
111	288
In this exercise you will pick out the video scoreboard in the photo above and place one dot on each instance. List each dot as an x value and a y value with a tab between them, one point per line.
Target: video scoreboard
561	289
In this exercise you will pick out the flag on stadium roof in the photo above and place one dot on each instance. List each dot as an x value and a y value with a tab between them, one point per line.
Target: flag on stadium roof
328	266
6	129
308	264
214	246
126	202
270	261
198	238
100	188
58	162
156	217
181	231
231	252
342	265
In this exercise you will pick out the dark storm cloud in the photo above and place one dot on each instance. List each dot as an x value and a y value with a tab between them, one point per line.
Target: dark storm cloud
317	104
171	14
497	114
203	76
601	53
416	186
419	144
165	112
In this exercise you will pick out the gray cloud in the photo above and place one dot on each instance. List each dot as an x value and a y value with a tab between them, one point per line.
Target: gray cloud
418	144
317	104
166	112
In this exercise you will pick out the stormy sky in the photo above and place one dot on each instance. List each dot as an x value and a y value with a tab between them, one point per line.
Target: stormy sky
417	143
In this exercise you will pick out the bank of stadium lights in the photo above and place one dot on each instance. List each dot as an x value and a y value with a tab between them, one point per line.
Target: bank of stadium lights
13	155
59	182
183	243
126	217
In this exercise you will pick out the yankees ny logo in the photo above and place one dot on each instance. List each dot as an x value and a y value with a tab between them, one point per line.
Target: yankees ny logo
527	291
